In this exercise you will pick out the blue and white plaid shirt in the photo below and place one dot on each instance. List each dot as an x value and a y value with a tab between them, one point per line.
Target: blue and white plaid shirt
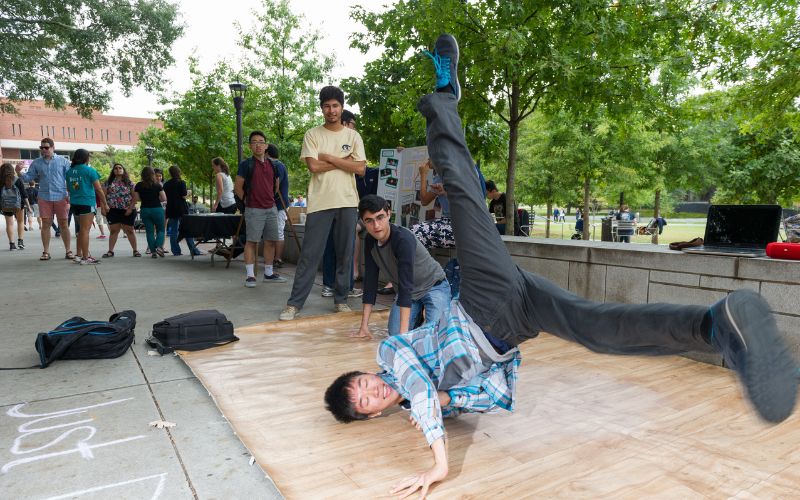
445	357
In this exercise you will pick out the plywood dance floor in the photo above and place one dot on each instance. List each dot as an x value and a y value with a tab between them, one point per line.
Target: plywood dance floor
586	425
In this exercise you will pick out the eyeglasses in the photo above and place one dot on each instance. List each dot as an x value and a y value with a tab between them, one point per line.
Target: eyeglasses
378	218
44	147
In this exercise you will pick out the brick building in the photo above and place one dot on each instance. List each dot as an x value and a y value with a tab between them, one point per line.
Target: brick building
21	134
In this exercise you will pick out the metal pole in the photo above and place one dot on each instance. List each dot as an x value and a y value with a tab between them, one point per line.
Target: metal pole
238	103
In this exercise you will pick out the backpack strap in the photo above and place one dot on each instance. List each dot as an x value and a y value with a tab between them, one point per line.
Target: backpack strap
62	347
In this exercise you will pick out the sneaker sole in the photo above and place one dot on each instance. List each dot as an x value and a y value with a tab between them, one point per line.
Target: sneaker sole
769	372
274	281
249	285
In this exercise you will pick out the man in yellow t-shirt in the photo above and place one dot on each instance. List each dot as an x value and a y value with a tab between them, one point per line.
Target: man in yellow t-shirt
333	153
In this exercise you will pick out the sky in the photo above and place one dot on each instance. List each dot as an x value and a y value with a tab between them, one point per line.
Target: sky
210	35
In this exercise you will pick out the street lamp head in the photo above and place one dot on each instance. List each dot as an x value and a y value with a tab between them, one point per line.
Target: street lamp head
238	89
148	150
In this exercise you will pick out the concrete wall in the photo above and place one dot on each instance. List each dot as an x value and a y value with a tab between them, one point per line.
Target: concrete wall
633	273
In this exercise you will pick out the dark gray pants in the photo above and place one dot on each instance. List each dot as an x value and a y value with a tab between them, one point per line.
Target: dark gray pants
342	222
515	305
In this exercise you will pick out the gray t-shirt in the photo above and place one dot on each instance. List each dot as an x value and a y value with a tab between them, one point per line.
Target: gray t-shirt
405	261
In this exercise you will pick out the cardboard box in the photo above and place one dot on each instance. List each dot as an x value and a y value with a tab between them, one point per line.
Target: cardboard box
294	214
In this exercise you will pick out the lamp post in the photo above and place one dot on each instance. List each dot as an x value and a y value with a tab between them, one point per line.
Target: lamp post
149	150
238	91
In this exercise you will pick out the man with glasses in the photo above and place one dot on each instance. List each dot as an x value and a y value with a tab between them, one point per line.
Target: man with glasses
255	184
333	153
50	170
419	279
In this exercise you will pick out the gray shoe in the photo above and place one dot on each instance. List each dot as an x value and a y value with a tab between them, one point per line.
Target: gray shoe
743	330
355	292
288	313
274	278
445	62
327	291
250	282
342	308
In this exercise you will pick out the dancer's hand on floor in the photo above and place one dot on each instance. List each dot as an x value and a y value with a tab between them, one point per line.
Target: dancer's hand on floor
420	482
414	423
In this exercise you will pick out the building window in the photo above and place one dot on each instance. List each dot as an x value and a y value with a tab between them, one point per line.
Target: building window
92	134
86	131
74	135
19	127
41	127
13	129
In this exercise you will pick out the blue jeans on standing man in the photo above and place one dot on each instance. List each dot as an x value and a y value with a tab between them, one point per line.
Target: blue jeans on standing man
173	225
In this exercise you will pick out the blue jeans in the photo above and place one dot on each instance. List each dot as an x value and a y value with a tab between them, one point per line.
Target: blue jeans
153	220
436	303
173	225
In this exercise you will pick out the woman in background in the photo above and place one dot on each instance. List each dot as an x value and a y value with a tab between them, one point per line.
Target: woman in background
121	208
225	202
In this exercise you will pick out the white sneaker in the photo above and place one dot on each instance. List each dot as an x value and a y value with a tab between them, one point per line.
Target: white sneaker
355	292
288	313
327	291
342	308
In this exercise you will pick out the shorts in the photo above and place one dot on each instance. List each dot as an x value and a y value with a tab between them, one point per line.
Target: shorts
59	209
9	213
82	209
35	208
261	223
99	219
281	224
117	216
226	210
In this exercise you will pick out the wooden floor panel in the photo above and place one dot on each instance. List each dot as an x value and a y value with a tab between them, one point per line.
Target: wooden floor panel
586	425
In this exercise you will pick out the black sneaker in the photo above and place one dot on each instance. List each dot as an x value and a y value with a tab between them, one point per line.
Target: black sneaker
743	330
445	61
21	244
274	278
12	247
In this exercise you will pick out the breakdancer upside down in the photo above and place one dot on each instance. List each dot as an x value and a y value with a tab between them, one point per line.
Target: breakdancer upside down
467	360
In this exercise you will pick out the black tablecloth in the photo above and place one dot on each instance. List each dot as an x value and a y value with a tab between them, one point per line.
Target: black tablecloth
209	227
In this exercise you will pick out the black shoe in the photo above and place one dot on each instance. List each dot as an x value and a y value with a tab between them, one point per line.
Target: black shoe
58	234
21	244
445	61
11	247
743	330
386	291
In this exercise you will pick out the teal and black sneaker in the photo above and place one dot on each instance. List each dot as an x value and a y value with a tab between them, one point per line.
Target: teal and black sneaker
445	60
743	330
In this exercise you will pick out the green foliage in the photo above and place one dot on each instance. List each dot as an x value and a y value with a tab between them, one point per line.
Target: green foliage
74	51
198	125
760	54
762	170
284	72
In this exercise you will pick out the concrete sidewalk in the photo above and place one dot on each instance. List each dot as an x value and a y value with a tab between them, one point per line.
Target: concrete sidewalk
80	429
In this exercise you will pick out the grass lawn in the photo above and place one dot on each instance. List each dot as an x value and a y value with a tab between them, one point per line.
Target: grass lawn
680	230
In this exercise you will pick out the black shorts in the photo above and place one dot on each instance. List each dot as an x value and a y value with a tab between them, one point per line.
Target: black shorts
117	216
10	214
226	210
82	209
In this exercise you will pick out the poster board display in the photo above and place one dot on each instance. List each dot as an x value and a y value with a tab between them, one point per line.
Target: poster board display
399	184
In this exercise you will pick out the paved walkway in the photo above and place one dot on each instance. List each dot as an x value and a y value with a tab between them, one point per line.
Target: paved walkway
80	429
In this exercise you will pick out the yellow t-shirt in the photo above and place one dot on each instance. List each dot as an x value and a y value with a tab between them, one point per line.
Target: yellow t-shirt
335	188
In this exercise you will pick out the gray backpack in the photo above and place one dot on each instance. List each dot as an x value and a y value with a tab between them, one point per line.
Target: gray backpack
11	198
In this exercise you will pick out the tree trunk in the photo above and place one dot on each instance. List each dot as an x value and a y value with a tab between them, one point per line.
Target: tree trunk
547	218
656	215
513	139
587	218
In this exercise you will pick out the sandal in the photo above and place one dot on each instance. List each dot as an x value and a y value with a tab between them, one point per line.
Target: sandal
108	254
69	255
160	252
680	245
136	253
45	256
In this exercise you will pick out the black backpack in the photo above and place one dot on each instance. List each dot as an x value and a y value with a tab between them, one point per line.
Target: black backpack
78	338
192	331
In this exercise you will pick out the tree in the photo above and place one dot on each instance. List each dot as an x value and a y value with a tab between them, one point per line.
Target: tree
73	51
516	55
198	125
285	72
